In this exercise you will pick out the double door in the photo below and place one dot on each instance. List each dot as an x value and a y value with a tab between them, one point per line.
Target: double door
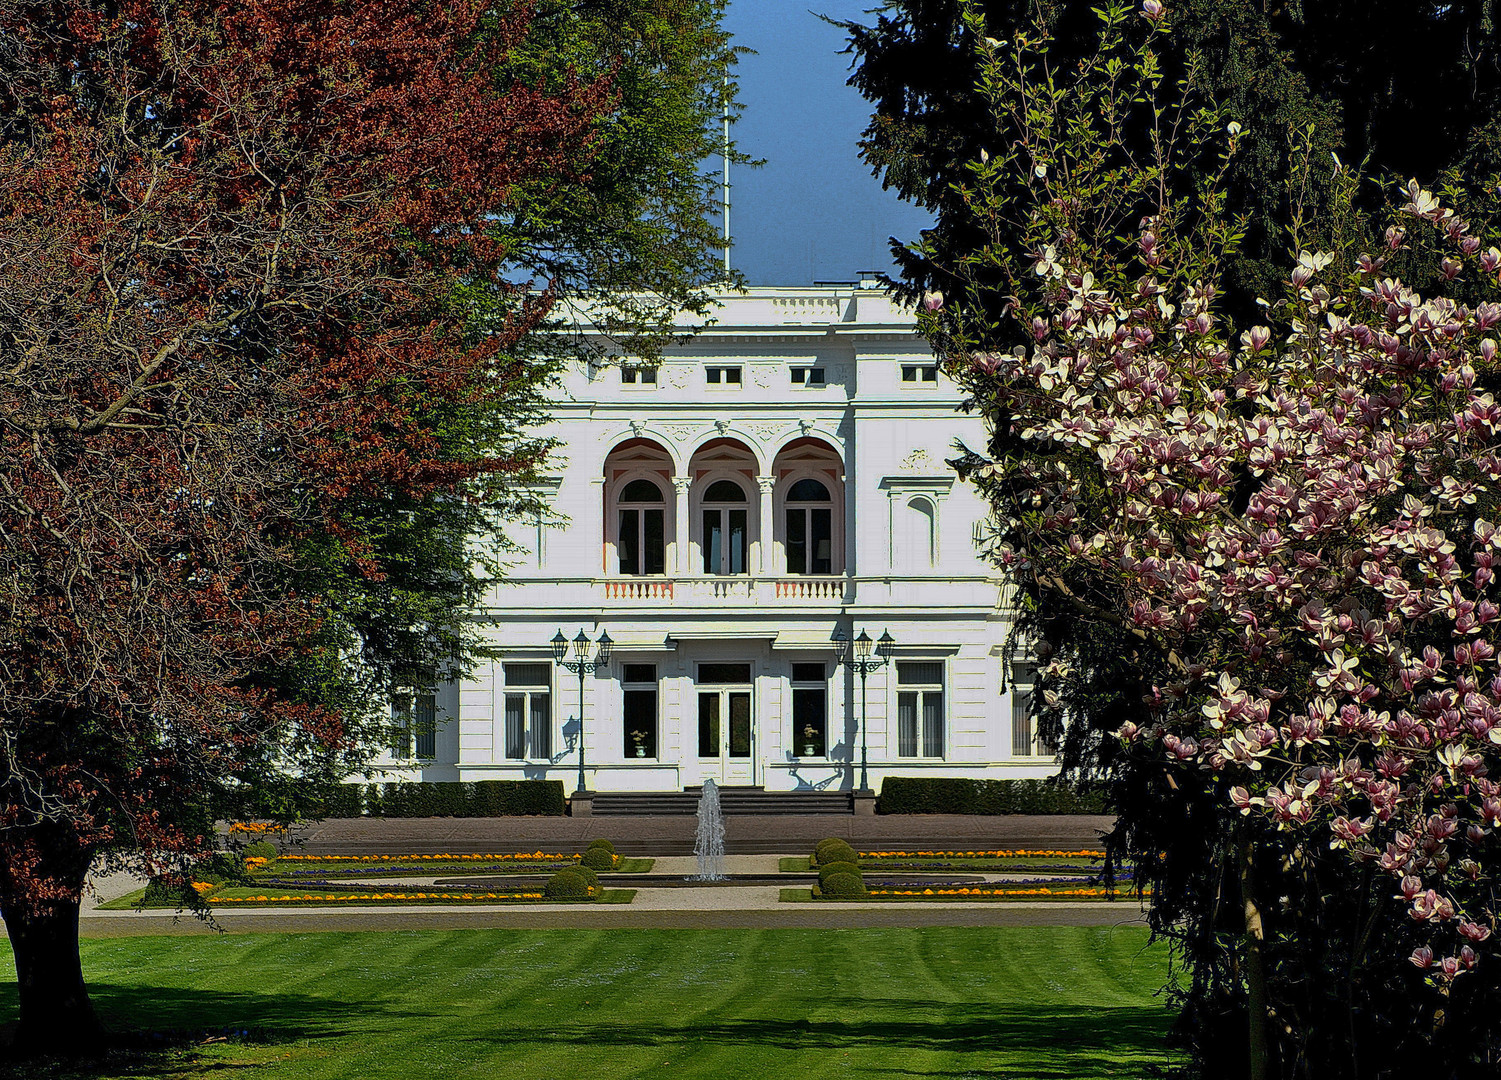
726	736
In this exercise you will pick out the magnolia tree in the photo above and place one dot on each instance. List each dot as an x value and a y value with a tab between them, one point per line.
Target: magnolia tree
1290	535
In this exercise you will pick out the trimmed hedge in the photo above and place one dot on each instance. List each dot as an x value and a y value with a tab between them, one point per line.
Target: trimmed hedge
954	795
839	886
597	858
602	843
566	885
484	798
834	849
828	870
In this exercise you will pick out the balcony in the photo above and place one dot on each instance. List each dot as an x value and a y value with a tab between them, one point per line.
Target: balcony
736	590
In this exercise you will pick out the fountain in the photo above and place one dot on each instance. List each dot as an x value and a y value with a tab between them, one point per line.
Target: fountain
708	840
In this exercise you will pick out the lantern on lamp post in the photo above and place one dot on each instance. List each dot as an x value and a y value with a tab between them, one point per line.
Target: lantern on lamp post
863	656
587	656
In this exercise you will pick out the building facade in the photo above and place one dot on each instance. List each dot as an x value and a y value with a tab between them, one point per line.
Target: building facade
773	485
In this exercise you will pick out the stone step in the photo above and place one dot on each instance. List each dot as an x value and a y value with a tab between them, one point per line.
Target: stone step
732	801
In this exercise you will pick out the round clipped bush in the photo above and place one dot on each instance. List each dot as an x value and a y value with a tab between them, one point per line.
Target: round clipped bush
834	850
261	849
598	859
588	875
566	885
841	886
826	870
602	843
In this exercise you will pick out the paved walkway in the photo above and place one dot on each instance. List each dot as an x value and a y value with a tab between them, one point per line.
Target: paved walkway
661	836
722	906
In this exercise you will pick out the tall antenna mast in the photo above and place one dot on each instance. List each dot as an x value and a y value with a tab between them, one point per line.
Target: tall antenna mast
725	198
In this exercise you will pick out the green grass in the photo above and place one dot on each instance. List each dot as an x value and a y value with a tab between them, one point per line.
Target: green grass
954	1002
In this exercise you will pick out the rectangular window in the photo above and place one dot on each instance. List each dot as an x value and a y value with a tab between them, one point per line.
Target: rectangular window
630	542
638	376
808	376
724	674
919	708
528	711
912	373
810	710
639	710
722	376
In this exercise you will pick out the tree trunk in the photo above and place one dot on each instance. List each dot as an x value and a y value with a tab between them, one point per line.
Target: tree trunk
1256	1011
57	1017
42	873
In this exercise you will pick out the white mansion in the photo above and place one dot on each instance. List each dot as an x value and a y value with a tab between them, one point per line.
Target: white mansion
772	486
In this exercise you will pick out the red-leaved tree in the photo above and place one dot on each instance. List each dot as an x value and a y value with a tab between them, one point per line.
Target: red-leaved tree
230	238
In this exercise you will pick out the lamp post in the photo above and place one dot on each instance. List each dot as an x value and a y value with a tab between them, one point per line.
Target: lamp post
863	663
581	663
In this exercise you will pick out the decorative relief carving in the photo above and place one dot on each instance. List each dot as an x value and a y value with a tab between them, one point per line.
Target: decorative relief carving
637	427
766	433
721	426
675	376
680	432
918	459
763	376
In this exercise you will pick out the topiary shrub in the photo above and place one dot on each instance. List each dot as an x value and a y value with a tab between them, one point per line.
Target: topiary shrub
597	858
567	885
834	849
587	874
842	886
826	870
601	843
261	849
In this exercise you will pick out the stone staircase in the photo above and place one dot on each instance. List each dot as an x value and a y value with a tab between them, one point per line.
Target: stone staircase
732	802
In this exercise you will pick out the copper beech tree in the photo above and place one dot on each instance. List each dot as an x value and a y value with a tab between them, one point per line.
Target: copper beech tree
230	236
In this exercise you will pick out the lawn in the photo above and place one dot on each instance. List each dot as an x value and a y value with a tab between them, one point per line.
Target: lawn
953	1002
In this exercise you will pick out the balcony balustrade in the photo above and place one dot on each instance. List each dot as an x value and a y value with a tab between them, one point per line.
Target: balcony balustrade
729	590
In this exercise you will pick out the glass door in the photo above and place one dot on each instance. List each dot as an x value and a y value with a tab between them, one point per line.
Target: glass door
726	728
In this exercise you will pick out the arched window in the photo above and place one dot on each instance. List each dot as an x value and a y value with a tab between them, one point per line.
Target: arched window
810	537
641	539
724	536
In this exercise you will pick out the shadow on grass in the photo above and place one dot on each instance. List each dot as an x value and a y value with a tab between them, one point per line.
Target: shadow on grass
155	1032
1045	1042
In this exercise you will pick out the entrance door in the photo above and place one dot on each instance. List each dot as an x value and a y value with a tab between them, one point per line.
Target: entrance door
726	737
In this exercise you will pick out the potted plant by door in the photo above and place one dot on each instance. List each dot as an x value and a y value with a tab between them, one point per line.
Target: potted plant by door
810	741
638	740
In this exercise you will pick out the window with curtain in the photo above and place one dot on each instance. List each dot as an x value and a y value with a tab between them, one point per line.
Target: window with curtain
527	729
414	726
919	708
810	528
724	537
640	536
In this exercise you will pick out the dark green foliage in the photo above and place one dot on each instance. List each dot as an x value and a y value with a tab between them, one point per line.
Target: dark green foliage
834	849
953	795
1408	89
342	801
586	873
566	885
483	798
261	849
598	859
602	843
515	798
828	870
841	886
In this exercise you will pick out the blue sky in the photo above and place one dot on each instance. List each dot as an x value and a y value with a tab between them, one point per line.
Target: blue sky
813	211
